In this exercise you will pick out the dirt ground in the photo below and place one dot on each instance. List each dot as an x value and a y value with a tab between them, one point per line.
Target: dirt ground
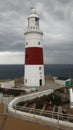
9	123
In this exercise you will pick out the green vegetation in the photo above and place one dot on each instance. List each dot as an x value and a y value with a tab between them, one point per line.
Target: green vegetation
57	98
11	92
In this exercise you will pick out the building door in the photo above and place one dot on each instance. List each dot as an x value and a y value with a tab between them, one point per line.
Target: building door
40	82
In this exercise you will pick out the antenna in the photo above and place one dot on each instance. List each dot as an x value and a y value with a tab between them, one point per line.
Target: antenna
33	11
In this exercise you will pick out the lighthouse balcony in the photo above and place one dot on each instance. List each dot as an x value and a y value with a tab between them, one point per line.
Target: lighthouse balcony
33	28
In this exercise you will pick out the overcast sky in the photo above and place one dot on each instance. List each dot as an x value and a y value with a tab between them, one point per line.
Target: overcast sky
56	21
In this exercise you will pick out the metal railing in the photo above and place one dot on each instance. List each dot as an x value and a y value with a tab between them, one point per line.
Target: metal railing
50	114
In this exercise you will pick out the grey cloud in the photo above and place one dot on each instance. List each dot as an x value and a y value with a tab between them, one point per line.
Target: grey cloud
11	40
65	2
18	47
59	9
62	53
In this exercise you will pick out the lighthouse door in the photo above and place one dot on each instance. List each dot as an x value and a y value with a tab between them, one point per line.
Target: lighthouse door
40	82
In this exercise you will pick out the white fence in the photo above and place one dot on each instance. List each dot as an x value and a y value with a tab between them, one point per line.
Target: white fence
71	97
6	99
24	114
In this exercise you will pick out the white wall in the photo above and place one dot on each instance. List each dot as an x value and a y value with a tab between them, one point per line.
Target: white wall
71	97
33	75
7	84
33	39
60	82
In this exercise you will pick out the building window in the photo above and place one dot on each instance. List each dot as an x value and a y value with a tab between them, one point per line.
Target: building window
40	68
33	27
36	19
38	43
26	43
25	80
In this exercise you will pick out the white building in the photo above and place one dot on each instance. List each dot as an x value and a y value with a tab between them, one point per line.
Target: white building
62	81
7	83
34	64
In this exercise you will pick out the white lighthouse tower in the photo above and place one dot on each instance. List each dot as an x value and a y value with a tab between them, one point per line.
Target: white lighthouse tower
34	65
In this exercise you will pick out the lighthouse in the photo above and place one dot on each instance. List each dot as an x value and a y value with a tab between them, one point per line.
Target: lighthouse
34	64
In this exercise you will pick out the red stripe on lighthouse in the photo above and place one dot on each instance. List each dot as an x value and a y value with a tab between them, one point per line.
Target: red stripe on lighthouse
33	56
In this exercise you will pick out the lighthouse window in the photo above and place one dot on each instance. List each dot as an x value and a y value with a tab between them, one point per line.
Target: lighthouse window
40	68
36	19
38	43
25	80
26	43
33	27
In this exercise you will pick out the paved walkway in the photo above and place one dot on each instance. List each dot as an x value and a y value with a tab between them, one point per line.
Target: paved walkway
11	123
3	122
